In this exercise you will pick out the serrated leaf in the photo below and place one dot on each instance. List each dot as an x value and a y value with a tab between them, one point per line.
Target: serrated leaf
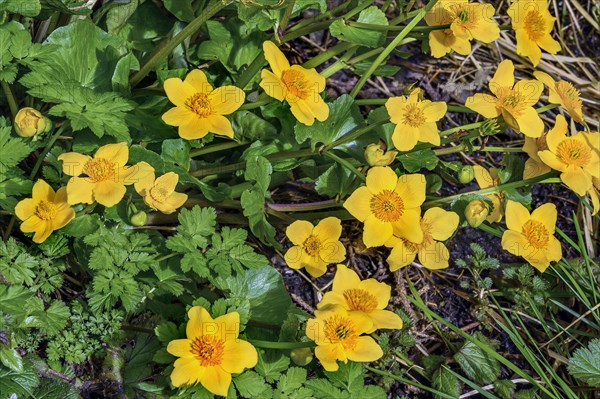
444	381
250	384
362	36
477	364
336	180
271	363
323	389
27	8
414	161
585	364
10	358
12	150
182	9
20	384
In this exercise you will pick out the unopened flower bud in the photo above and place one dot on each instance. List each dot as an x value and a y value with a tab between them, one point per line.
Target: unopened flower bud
30	122
476	212
139	219
376	155
466	174
301	356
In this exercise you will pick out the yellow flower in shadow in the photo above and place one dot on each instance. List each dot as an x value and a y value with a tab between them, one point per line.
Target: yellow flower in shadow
563	93
534	166
159	194
44	212
533	24
488	179
315	246
338	335
388	205
415	120
368	297
576	156
299	86
437	225
104	176
200	109
513	101
211	352
467	21
531	236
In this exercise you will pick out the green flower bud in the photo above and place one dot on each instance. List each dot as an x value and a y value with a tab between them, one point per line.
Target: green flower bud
466	174
30	122
301	356
476	212
139	219
376	155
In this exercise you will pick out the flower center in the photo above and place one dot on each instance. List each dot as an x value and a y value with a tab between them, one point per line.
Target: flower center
208	349
312	245
159	194
427	238
45	210
387	206
358	299
568	93
574	152
199	104
536	234
535	25
511	100
100	169
413	116
296	83
340	329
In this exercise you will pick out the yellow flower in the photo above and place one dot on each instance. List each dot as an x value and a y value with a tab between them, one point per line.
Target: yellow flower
467	21
577	156
563	93
488	179
160	194
415	120
476	212
30	122
437	225
533	23
388	205
513	101
534	166
44	212
211	352
106	174
299	86
532	236
376	154
368	297
315	246
337	334
200	109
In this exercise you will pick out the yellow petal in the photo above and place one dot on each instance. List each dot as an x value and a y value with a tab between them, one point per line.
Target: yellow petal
577	179
530	91
178	116
80	190
275	58
332	298
328	229
315	267
302	113
139	172
186	371
299	231
440	42
226	99
380	178
197	80
516	215
552	160
32	223
359	203
272	85
25	208
181	348
227	326
364	350
142	186
429	133
535	168
109	193
409	225
515	243
196	128
483	104
411	188
294	257
405	137
546	214
554	253
238	355
401	256
44	230
345	279
557	134
64	214
483	177
332	252
61	195
172	203
385	319
381	291
220	125
318	108
328	356
504	77
549	44
443	223
73	162
118	153
314	80
315	331
497	211
527	47
42	191
198	319
376	232
167	182
435	111
178	91
434	256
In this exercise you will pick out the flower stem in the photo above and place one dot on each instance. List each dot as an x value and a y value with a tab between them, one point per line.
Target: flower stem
215	148
10	98
346	165
163	51
281	345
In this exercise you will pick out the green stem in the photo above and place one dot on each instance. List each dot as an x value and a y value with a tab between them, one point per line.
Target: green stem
328	54
346	165
388	50
409	382
251	71
313	206
49	144
10	98
281	345
215	148
354	135
285	20
163	52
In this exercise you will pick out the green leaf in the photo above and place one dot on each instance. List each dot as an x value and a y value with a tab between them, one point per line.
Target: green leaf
56	389
250	384
176	151
20	384
344	116
27	8
82	225
585	364
336	180
350	376
292	380
513	169
444	381
414	161
12	150
476	363
197	221
362	36
182	9
250	126
323	389
271	363
10	358
259	169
